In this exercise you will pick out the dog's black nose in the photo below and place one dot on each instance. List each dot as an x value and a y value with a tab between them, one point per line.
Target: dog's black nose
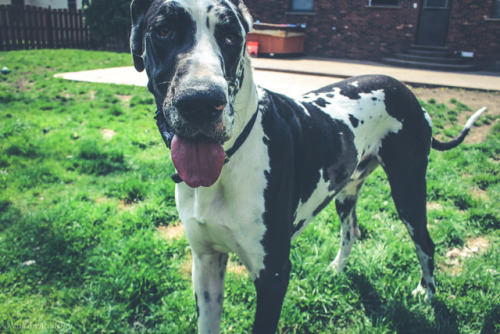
201	106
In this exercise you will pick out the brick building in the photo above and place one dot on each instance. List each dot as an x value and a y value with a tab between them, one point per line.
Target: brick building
377	29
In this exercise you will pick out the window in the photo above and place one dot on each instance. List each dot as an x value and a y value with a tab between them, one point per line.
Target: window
302	5
383	2
72	4
436	4
496	9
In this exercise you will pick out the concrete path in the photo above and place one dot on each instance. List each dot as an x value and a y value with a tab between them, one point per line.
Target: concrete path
290	84
116	75
281	75
345	69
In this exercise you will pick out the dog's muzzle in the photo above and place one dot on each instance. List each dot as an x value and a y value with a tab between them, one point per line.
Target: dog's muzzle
198	160
199	131
200	107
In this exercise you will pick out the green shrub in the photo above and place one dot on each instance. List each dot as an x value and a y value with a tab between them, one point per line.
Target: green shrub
108	20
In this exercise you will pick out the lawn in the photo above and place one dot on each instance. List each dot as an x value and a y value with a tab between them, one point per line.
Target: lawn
90	240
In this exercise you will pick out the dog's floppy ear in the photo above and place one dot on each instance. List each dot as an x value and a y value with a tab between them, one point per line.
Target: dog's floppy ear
138	9
245	14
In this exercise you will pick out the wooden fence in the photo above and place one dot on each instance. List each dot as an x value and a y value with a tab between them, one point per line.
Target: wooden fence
27	27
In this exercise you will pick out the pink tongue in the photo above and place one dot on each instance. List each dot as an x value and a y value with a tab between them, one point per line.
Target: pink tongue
198	162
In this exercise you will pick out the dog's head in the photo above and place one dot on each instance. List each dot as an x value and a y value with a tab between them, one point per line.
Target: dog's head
193	52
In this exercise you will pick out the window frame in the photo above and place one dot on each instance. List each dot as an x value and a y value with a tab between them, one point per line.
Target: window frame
446	6
395	5
294	10
495	9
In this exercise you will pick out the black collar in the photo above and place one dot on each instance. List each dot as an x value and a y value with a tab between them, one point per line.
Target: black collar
167	134
242	137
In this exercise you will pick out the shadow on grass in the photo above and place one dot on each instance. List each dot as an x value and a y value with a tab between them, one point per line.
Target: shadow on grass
44	254
491	321
399	316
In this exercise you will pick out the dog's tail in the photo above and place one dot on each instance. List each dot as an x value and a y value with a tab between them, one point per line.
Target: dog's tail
440	146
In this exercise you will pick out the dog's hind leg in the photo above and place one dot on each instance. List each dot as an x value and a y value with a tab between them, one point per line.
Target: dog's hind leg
410	199
345	202
209	272
406	171
346	209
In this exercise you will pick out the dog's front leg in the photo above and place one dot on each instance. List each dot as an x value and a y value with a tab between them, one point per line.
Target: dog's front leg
271	288
209	272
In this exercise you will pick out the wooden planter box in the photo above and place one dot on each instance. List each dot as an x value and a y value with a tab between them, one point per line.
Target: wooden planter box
277	39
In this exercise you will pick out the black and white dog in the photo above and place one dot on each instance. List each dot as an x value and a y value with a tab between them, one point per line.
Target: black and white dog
255	167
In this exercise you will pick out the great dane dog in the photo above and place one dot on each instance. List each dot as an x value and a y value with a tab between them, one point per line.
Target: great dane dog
254	167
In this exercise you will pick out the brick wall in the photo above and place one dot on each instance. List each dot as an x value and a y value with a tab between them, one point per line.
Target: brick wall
471	29
351	29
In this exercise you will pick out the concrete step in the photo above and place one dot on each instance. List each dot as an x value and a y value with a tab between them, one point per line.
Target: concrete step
429	47
429	53
428	65
431	59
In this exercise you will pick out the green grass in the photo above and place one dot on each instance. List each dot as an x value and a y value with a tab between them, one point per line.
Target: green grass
80	249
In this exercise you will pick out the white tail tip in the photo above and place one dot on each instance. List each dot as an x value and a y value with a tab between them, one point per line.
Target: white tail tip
474	117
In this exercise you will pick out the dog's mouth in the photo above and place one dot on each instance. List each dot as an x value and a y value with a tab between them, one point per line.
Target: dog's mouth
198	160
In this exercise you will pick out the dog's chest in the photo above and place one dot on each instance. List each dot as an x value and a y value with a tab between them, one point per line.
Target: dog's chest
228	217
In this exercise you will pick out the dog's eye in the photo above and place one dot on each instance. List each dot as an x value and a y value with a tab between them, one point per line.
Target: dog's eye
164	33
230	40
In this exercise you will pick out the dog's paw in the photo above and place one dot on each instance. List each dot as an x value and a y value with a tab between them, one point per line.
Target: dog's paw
338	264
422	291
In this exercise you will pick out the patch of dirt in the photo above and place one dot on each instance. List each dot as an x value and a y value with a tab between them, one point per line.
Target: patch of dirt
456	256
126	206
478	193
124	98
122	204
473	99
102	199
236	268
434	206
108	134
176	231
232	267
187	267
24	84
170	232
